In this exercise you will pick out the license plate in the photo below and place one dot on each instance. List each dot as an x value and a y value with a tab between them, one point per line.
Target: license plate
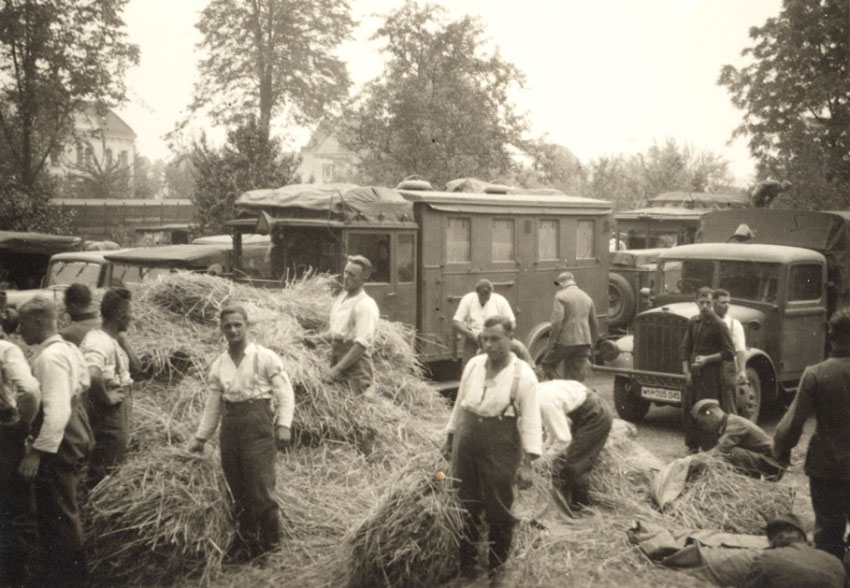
661	394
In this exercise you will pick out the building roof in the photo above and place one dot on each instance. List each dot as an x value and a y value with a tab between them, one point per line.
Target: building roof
112	123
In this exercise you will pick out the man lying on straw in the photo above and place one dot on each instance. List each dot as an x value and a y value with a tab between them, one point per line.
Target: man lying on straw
243	383
495	417
578	442
110	358
741	442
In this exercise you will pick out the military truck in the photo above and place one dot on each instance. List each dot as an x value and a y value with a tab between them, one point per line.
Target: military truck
429	248
784	285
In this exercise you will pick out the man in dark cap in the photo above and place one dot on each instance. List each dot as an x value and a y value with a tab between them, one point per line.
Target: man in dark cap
790	562
574	331
83	317
741	442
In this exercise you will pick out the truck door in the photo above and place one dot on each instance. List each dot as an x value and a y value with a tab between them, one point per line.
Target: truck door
804	329
377	248
404	278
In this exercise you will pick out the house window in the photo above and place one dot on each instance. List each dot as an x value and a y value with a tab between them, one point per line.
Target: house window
89	156
80	155
375	248
327	172
405	258
585	239
805	282
502	247
122	158
108	155
458	237
547	240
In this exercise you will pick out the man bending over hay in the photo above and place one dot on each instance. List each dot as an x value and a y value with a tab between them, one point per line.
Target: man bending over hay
578	441
244	382
495	417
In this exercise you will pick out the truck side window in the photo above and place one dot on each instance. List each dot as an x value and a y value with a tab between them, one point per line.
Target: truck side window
458	237
547	240
376	248
805	282
586	239
502	244
405	258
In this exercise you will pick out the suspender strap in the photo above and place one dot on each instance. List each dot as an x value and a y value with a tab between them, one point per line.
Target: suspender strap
514	389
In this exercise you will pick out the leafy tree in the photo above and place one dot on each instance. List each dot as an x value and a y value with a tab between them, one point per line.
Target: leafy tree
55	57
147	177
179	176
31	210
795	94
248	161
269	57
441	108
552	166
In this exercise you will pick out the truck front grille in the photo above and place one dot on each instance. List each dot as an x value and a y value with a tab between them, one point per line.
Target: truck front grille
657	339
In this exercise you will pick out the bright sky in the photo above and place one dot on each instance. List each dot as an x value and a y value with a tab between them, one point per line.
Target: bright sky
603	76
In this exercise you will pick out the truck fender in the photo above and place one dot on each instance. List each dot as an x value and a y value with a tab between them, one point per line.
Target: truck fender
761	362
538	336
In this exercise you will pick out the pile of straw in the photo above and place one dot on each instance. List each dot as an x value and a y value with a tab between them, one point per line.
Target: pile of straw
716	496
411	538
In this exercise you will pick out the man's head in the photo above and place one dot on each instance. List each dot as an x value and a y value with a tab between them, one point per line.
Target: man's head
785	530
484	288
839	330
37	319
496	337
115	308
357	271
707	416
704	302
565	279
77	300
721	299
233	321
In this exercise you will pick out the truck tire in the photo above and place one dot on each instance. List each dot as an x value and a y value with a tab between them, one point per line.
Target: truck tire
748	398
630	406
621	300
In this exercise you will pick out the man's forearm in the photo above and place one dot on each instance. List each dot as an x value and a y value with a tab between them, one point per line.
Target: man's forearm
686	367
554	332
351	357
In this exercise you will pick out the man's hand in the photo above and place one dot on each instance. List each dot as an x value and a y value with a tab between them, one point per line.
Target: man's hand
446	449
197	445
115	396
282	436
525	476
741	378
332	375
699	361
29	464
689	379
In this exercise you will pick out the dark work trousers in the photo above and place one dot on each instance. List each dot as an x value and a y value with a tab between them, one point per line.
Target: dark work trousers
707	383
753	464
590	425
729	397
359	375
574	358
248	460
831	503
57	511
111	427
17	522
485	458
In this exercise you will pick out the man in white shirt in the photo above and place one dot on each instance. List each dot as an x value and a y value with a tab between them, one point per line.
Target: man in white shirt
244	382
61	446
110	358
476	307
577	442
18	391
496	417
734	372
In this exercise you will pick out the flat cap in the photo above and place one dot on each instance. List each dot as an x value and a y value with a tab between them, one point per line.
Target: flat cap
703	406
564	277
785	520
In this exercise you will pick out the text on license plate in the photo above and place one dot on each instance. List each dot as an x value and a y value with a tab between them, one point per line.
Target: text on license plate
661	394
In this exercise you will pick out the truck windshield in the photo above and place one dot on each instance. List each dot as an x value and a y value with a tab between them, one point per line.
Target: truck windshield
125	274
747	280
74	272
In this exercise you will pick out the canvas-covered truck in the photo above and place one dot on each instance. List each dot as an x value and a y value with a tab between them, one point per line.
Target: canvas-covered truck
784	285
429	248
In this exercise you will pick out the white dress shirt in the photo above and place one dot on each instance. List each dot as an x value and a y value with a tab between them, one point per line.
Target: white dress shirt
260	374
17	379
61	371
105	353
355	319
736	329
558	398
490	397
472	315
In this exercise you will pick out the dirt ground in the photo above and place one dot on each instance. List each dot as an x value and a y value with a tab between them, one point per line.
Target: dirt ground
661	433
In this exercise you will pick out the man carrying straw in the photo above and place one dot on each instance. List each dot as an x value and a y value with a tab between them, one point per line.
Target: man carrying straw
244	382
495	417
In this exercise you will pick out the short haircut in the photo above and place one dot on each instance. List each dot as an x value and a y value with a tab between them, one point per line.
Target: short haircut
720	292
704	291
233	309
38	308
77	295
839	327
500	320
484	284
112	301
363	263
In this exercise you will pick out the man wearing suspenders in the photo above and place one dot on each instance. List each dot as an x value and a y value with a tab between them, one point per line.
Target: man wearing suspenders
63	439
494	427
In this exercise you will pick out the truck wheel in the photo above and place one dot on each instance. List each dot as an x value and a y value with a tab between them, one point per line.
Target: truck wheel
621	300
749	397
630	406
537	349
